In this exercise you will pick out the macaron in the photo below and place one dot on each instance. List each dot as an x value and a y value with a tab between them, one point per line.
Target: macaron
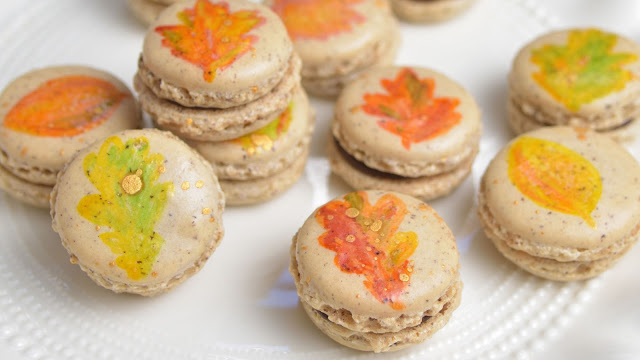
259	165
139	211
338	39
46	115
405	129
561	203
146	11
577	77
216	54
429	10
376	271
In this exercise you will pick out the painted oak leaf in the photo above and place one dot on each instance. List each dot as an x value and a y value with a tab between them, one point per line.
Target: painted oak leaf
317	19
583	70
409	109
210	36
366	242
130	201
555	177
65	106
263	139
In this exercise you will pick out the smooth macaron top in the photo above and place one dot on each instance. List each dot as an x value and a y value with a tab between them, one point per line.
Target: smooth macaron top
324	32
46	115
578	71
280	135
564	187
138	207
409	114
377	254
216	46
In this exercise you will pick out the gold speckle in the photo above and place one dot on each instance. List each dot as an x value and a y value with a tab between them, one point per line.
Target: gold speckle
254	89
132	184
225	39
352	212
161	169
369	248
367	222
423	207
308	279
206	211
189	121
73	259
404	277
385	289
154	274
112	263
351	238
97	227
212	219
61	152
410	269
199	184
354	109
537	212
304	248
185	185
24	150
515	202
357	296
262	140
330	217
443	266
375	258
495	181
363	265
377	225
377	240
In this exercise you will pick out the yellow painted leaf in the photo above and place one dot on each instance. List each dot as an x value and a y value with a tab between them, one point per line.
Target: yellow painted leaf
555	177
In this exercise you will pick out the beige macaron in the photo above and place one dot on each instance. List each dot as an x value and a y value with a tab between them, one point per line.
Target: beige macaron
376	270
338	39
146	11
210	53
577	77
265	162
429	10
139	211
46	115
562	203
405	129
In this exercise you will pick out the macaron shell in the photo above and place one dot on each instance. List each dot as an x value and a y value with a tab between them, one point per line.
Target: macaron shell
522	83
268	56
43	156
615	215
145	10
429	11
190	224
24	191
362	133
434	264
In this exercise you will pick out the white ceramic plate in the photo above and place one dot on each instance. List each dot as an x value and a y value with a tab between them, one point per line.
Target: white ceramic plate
243	303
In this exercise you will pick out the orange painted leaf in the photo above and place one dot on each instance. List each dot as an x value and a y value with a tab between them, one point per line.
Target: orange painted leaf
409	110
210	36
366	242
65	106
317	19
555	177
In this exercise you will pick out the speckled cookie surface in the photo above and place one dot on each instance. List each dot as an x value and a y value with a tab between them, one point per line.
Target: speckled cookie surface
578	77
407	121
562	195
50	113
212	53
429	10
265	151
139	211
376	262
206	124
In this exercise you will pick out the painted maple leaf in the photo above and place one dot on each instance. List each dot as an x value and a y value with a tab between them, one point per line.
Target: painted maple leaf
263	139
317	19
65	106
366	242
409	110
583	70
210	36
130	202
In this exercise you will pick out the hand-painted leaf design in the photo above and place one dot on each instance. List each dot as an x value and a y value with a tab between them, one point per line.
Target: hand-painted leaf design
263	139
366	242
409	109
554	177
65	106
210	36
317	19
130	202
583	70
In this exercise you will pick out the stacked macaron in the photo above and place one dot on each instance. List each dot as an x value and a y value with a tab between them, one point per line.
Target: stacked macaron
429	10
338	39
47	115
577	77
223	75
148	10
410	130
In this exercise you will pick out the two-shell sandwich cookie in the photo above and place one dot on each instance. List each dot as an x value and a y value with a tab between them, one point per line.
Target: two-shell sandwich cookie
562	203
404	129
139	211
376	271
429	10
582	77
46	115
